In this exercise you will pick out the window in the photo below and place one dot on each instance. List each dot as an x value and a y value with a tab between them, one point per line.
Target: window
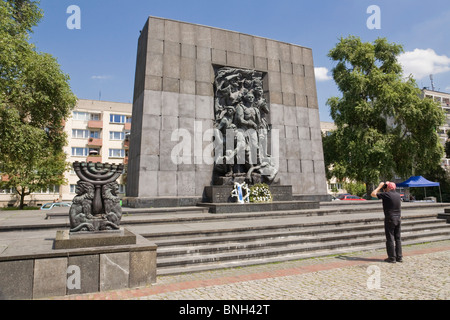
7	191
116	135
116	153
80	152
94	134
85	116
335	185
49	190
122	188
80	115
72	188
79	133
117	118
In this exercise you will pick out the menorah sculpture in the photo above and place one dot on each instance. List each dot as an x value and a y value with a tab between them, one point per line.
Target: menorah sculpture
96	206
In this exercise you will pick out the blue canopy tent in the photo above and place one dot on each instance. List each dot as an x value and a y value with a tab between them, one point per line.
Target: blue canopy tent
419	181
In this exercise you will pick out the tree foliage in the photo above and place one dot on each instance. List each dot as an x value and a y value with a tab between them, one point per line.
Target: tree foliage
356	188
35	100
384	127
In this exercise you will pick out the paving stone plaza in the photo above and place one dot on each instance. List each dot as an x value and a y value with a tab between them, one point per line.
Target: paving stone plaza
422	276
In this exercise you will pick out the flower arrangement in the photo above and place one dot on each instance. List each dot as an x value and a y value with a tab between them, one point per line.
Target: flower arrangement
260	193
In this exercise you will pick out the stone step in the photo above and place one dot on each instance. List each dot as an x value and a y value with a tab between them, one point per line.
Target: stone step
271	225
284	242
445	215
180	264
154	216
171	244
313	253
140	211
280	238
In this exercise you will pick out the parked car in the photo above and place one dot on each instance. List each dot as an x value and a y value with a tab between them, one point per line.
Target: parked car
350	197
371	198
51	205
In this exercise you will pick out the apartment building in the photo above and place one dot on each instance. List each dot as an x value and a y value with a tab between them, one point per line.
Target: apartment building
97	131
444	100
333	185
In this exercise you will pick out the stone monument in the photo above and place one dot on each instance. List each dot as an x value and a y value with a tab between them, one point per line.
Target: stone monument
193	84
96	206
96	212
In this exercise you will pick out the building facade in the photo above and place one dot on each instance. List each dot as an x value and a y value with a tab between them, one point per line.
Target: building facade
444	100
334	186
97	131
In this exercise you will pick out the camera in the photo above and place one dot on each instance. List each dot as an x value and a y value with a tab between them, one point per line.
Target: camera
384	186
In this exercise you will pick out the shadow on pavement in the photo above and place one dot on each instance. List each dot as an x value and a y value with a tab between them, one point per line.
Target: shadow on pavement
349	258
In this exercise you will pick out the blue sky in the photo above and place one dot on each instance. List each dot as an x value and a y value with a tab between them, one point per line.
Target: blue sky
100	57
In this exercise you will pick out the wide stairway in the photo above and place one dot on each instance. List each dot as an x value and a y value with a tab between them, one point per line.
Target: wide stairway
190	239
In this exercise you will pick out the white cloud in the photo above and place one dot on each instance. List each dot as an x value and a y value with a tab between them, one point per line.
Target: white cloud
100	77
421	63
322	74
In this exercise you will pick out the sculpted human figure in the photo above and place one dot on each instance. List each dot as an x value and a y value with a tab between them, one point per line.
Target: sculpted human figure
247	115
227	91
226	128
111	203
248	120
263	129
80	212
241	91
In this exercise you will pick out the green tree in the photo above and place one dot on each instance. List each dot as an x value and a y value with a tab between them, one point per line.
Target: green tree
447	145
35	101
355	188
384	127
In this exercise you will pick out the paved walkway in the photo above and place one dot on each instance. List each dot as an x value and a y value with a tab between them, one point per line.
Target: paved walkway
424	275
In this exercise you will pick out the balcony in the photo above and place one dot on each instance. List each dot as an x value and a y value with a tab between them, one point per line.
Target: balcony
125	160
127	126
126	144
94	159
95	142
95	124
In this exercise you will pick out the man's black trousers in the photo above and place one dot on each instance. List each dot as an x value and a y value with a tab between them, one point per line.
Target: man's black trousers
392	228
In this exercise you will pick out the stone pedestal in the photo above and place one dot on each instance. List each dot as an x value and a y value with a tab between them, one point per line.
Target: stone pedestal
218	200
222	194
260	207
67	240
77	264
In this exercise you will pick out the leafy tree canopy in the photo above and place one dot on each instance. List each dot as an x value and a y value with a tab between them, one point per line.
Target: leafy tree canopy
35	100
384	127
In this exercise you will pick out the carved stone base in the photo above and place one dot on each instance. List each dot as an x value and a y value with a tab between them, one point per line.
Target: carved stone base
260	207
222	194
68	240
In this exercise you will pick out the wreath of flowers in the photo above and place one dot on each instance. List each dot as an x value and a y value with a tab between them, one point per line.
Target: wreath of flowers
260	193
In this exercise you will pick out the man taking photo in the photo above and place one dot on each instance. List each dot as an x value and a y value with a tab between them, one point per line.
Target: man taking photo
392	219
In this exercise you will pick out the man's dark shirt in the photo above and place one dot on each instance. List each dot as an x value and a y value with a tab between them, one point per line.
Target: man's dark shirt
391	203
